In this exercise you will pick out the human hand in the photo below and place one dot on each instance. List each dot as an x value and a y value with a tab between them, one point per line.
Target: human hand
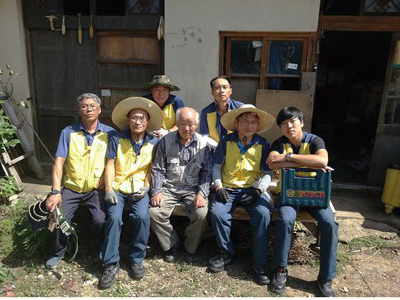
156	200
223	194
111	198
160	133
52	202
250	196
276	158
199	201
140	194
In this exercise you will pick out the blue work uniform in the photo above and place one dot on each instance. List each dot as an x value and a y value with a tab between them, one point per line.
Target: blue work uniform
210	120
287	215
132	166
85	159
242	166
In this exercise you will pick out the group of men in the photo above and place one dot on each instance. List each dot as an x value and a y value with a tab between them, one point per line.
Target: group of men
157	159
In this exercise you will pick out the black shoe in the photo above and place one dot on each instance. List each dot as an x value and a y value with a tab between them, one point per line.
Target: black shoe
138	270
188	257
109	275
219	262
325	286
261	273
171	254
279	281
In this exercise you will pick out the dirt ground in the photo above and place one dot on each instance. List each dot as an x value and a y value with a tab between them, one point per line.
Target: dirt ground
368	263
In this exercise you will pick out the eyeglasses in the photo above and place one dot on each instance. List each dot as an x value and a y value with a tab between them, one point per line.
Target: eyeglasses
92	107
141	119
248	123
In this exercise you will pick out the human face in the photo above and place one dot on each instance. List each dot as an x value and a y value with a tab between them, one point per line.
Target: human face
292	128
221	90
89	110
160	94
248	125
187	124
137	119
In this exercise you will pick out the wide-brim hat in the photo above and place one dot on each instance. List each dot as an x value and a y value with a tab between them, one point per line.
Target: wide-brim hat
160	80
228	120
119	114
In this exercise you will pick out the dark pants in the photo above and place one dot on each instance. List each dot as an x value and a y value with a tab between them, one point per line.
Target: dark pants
70	203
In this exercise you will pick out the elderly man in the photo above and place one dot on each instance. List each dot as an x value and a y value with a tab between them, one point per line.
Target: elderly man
210	120
160	89
297	148
127	181
241	176
82	147
181	172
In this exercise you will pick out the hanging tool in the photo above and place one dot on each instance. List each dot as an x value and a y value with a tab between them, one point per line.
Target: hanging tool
160	29
51	21
91	30
63	27
79	29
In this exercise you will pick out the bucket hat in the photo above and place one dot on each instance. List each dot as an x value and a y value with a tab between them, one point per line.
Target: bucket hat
228	120
120	111
160	80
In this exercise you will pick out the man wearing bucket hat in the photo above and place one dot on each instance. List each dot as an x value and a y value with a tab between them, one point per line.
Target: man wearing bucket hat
294	149
160	89
82	148
210	120
127	181
241	177
181	173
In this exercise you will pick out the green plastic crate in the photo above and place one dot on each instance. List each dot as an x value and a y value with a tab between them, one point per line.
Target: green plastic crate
305	191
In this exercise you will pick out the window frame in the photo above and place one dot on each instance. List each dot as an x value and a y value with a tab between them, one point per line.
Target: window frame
307	61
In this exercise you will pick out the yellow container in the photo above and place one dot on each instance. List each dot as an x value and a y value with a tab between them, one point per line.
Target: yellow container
391	190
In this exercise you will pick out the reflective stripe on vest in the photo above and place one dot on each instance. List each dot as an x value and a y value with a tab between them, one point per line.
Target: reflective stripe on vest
304	150
241	170
212	126
169	117
131	170
85	164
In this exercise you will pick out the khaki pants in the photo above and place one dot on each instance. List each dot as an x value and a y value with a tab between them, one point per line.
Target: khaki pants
162	227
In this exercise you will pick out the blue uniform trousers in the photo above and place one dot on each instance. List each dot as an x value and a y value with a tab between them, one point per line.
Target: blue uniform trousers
70	203
140	230
260	216
329	238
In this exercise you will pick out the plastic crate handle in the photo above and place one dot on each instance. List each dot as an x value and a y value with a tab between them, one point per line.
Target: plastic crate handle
319	172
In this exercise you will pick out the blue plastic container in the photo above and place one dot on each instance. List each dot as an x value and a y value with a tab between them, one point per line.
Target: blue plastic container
298	188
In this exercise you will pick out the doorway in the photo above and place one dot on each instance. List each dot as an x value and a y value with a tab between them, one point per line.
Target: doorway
350	83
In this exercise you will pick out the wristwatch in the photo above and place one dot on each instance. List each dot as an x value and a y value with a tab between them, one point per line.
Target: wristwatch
288	156
54	191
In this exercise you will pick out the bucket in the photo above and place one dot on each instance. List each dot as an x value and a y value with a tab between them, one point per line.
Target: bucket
391	189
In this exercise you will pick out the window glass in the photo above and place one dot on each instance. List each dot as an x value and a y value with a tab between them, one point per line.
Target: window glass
285	57
144	7
246	57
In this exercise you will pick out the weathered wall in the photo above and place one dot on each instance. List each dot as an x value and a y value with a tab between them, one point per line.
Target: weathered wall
192	35
13	52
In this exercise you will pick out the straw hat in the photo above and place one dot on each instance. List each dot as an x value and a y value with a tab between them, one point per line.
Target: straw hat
228	120
160	80
120	111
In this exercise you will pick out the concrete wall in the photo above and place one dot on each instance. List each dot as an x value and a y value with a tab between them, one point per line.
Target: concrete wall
13	52
192	35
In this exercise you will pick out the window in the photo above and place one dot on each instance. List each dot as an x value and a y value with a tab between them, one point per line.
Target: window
265	60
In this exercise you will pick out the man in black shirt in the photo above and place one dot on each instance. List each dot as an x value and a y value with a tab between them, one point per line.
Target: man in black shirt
297	148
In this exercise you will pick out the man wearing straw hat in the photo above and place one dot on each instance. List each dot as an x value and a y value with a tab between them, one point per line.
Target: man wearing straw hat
241	177
160	89
181	172
296	148
127	181
210	119
82	148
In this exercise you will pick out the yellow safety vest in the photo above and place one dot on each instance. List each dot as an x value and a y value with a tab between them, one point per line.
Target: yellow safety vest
130	169
241	170
85	164
169	117
212	126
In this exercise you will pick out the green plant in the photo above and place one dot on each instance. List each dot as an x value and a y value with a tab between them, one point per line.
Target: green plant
8	188
4	273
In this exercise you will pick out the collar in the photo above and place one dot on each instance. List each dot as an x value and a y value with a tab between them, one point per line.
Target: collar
254	141
177	138
229	103
126	134
99	127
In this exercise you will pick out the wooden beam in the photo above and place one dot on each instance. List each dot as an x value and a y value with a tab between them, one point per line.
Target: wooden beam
360	23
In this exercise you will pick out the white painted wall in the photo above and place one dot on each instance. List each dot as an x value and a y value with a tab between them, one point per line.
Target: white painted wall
192	35
13	52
